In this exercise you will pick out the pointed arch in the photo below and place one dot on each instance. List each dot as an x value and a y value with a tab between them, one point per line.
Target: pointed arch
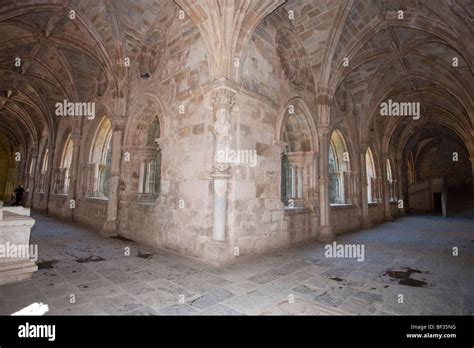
339	166
100	160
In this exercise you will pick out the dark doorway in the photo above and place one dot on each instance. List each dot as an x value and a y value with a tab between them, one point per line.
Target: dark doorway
437	202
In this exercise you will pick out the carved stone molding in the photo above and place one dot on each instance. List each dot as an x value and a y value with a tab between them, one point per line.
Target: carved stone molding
221	171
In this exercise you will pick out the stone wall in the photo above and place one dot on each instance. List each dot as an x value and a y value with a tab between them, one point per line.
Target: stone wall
376	213
345	218
91	212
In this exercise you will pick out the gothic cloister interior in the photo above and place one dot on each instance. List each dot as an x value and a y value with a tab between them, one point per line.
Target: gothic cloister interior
202	157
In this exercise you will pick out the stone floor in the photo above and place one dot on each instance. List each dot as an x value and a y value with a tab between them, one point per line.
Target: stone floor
80	264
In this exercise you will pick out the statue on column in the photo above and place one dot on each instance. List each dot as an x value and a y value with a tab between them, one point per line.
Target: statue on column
223	103
222	129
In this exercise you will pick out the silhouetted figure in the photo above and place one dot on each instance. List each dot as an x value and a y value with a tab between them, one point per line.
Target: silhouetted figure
18	192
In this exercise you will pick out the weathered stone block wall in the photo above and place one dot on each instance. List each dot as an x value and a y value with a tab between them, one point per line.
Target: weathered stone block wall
39	201
91	212
57	206
255	210
395	210
345	219
181	217
301	225
376	213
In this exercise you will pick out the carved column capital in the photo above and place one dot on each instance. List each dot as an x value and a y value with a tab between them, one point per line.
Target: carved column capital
223	98
221	171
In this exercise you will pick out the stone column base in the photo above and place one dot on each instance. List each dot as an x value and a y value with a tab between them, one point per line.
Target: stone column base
218	252
326	235
11	272
109	229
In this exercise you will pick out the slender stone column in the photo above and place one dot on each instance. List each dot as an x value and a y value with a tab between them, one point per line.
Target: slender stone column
325	233
32	180
49	176
223	102
279	147
364	198
21	172
444	196
324	100
76	141
386	190
401	195
111	225
220	176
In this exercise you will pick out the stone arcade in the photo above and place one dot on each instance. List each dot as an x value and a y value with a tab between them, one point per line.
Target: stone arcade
178	84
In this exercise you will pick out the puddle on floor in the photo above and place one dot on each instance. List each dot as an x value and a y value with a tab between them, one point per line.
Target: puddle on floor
90	259
144	256
404	277
46	264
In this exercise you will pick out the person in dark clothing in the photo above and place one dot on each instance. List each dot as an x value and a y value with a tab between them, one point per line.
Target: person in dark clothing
18	192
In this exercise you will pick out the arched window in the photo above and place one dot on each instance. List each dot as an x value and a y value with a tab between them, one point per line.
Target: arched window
62	177
297	160
340	177
150	169
372	182
98	169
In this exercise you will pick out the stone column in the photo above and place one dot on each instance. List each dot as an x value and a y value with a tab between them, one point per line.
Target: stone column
364	199
444	196
308	177
21	173
323	102
111	225
296	161
386	190
401	195
325	233
74	169
280	147
220	177
49	176
223	101
32	180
